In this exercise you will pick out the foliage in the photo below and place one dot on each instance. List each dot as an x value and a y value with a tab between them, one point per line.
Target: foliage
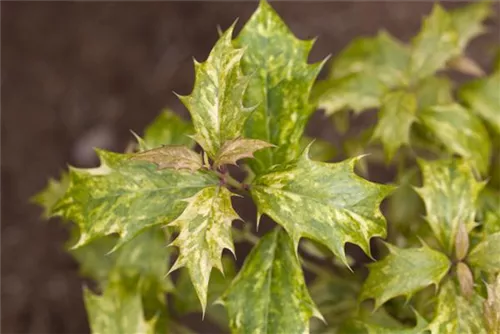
438	270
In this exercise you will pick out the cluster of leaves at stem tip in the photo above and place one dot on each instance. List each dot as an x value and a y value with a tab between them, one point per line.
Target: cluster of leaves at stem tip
252	97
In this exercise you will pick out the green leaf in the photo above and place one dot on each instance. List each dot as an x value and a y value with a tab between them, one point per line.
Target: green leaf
237	149
491	307
455	314
326	202
404	272
486	255
172	156
125	197
280	85
396	116
216	102
51	194
467	21
460	132
321	150
167	129
269	294
449	192
419	328
433	91
482	97
205	231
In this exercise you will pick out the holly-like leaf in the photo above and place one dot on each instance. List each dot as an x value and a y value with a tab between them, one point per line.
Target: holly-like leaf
404	272
486	254
482	97
434	90
460	132
491	307
467	21
51	194
216	102
171	156
167	129
269	294
396	116
326	202
321	150
237	149
205	231
280	85
455	314
419	328
125	197
449	191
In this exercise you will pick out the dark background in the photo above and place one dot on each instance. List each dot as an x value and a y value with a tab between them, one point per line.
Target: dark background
80	75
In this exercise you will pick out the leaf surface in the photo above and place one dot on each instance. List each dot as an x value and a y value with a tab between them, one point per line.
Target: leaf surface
491	307
167	129
51	194
486	254
237	149
171	156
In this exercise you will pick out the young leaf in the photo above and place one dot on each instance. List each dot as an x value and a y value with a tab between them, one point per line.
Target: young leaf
491	307
482	97
125	197
396	116
467	21
269	294
433	91
49	196
216	102
486	254
237	149
461	242
172	156
326	202
404	272
460	132
419	328
450	192
280	85
455	314
465	280
205	231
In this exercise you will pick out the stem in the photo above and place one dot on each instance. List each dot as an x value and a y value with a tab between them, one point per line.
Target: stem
229	180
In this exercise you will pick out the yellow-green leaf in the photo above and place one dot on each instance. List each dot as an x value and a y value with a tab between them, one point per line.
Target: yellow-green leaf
486	254
237	149
467	21
280	85
51	194
404	272
320	150
491	307
433	91
171	156
269	294
326	202
419	328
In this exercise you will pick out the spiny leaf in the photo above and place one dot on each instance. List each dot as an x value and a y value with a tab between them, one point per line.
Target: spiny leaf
125	197
321	150
455	314
482	97
216	102
237	149
51	194
449	192
326	202
205	231
467	21
491	307
280	85
460	132
486	254
419	328
404	272
435	90
396	116
269	294
172	156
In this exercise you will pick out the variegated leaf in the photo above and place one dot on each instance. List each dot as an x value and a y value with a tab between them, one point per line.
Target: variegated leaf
280	85
468	21
460	131
434	90
326	202
172	156
320	150
491	307
269	294
51	194
449	192
404	272
237	149
396	116
486	254
204	232
419	328
216	102
125	197
455	314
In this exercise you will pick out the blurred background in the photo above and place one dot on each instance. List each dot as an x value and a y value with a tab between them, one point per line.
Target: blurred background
80	75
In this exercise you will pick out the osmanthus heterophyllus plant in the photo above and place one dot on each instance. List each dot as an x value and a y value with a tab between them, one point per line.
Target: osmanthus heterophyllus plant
249	106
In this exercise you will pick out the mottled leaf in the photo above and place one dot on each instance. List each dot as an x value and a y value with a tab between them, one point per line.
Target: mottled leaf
467	21
434	90
449	192
326	202
419	328
51	194
460	132
171	156
396	116
237	149
486	255
482	97
320	150
404	272
205	231
216	102
280	85
491	307
125	197
269	294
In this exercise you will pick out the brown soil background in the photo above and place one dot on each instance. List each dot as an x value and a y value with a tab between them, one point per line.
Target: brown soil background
79	75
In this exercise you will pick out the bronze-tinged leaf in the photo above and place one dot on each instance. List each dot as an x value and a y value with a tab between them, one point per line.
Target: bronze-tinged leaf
486	254
465	279
237	149
172	156
491	307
